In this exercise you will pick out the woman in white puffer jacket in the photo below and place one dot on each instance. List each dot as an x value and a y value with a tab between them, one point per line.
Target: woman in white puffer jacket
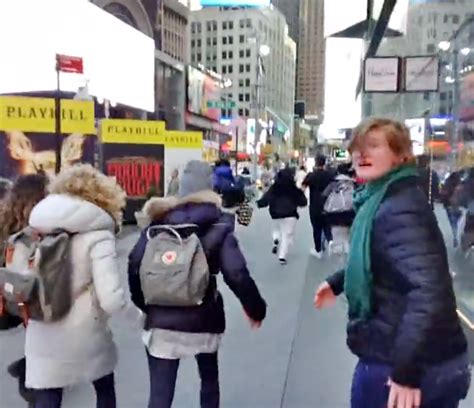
80	348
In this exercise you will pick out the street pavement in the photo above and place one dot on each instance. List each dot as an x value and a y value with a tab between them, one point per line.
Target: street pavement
298	359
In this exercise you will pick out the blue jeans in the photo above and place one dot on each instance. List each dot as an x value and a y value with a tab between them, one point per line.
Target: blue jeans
454	215
163	375
442	386
104	388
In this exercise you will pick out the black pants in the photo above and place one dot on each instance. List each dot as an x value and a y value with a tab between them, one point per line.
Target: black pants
320	224
163	375
104	388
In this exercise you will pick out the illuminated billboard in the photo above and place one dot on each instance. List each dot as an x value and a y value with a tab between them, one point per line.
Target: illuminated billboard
235	3
119	61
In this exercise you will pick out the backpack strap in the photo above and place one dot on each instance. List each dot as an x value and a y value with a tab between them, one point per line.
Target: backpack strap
173	229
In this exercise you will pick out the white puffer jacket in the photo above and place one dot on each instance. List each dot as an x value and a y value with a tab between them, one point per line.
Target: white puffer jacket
79	348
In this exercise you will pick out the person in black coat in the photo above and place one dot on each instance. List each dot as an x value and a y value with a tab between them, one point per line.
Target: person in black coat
172	333
411	347
283	198
317	182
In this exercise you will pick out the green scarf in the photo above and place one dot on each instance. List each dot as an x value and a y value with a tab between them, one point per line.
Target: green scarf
358	276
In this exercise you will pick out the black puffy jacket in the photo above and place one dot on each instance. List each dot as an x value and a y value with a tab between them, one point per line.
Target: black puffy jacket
283	197
223	255
414	324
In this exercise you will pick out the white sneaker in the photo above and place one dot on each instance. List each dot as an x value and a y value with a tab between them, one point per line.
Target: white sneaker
329	248
316	254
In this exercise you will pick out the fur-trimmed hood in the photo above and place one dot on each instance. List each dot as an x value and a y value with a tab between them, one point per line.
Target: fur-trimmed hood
196	208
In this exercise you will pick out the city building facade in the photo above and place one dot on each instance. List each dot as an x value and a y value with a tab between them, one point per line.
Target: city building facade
252	48
311	59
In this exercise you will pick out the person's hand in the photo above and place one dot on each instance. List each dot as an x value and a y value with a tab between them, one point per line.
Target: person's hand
403	397
324	296
254	324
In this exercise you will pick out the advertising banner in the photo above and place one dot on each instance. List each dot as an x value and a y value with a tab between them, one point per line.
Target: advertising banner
466	111
38	115
138	168
202	89
422	74
382	74
28	140
143	154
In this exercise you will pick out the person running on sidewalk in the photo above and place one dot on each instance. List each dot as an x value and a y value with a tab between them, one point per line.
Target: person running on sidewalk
283	198
338	207
174	332
79	348
15	211
317	181
403	324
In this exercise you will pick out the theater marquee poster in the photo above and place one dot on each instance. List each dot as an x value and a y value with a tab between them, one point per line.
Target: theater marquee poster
133	153
28	139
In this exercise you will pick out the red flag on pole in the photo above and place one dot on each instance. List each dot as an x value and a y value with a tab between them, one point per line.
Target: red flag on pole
67	63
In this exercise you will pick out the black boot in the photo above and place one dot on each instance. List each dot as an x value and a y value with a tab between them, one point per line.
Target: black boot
17	369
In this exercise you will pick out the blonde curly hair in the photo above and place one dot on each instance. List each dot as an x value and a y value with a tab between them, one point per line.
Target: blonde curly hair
89	184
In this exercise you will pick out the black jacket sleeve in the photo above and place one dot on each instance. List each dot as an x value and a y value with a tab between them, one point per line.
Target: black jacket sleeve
265	199
336	281
134	264
301	200
237	277
413	250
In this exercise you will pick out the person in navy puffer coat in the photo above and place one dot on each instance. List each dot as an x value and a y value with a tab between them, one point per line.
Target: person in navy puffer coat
222	178
173	333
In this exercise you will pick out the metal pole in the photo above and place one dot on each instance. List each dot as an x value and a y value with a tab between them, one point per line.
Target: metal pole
237	151
456	100
257	109
58	141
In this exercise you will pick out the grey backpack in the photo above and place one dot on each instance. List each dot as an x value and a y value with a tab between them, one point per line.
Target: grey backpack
339	198
43	291
174	270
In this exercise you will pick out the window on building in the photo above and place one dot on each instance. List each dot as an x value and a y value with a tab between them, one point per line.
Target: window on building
209	26
230	69
199	57
455	19
247	82
241	97
224	25
241	112
208	41
224	69
224	40
231	54
193	27
214	25
224	54
241	54
248	23
241	83
247	67
231	40
426	96
247	97
246	112
241	68
242	39
199	43
242	23
231	25
442	96
445	19
224	113
193	43
431	48
247	52
214	41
